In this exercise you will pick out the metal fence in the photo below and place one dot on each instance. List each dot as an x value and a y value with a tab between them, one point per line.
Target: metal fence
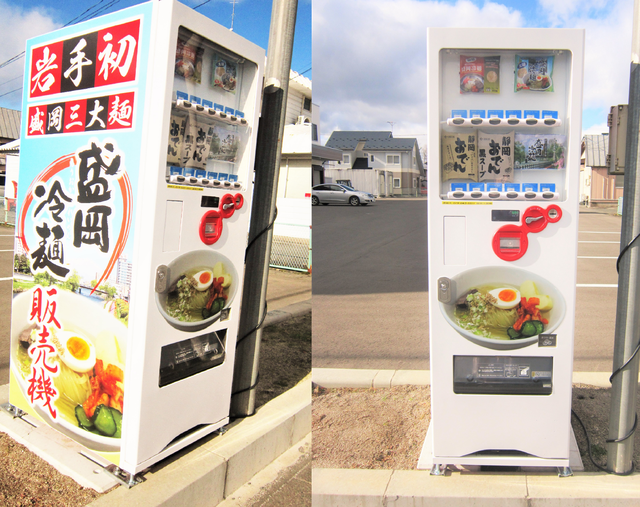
291	251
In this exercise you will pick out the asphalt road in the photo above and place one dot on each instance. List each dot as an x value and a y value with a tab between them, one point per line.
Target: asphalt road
370	287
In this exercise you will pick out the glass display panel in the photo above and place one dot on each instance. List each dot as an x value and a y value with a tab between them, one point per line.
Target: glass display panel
208	132
504	124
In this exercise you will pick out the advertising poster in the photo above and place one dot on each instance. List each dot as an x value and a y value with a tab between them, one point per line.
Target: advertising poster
83	109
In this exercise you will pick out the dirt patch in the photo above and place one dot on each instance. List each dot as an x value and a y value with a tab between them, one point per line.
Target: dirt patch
27	480
285	357
385	428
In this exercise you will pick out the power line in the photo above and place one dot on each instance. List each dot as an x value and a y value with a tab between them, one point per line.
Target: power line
77	18
17	89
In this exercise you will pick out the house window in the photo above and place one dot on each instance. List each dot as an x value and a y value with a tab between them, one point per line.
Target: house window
393	159
346	159
396	182
415	183
307	104
314	132
372	158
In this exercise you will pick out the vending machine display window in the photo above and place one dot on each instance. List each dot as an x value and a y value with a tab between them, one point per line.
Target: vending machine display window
504	124
208	133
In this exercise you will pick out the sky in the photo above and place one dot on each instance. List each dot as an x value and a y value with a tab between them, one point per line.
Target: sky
371	70
30	18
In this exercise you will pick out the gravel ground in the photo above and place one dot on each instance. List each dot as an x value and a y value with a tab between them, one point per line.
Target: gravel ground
385	428
27	480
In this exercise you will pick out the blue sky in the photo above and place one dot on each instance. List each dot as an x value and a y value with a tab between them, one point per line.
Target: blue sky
372	69
30	18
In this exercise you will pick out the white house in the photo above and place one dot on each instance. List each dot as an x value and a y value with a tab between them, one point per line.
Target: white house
378	162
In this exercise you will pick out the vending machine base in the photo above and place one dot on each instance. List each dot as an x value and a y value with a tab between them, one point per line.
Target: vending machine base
428	461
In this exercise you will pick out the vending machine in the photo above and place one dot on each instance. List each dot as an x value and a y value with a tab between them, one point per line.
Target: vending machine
504	125
134	195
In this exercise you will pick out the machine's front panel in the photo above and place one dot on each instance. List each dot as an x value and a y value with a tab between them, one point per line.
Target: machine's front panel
204	130
504	126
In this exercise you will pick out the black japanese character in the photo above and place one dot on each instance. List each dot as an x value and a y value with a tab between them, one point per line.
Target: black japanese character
92	228
45	254
54	198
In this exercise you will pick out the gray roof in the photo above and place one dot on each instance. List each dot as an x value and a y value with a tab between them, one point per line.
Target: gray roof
9	123
596	148
348	140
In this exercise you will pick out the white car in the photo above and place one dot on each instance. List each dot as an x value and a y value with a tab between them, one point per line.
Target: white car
332	193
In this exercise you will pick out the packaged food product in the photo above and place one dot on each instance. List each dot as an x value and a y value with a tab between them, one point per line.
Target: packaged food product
539	151
491	74
495	156
534	73
224	74
471	74
459	156
479	74
189	61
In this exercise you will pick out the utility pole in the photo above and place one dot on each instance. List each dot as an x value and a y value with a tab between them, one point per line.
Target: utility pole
267	170
622	417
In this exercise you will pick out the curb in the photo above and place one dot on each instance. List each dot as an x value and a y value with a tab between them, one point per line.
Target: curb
342	377
294	310
209	471
400	488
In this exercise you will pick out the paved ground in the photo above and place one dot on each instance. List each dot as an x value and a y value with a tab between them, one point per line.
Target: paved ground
370	287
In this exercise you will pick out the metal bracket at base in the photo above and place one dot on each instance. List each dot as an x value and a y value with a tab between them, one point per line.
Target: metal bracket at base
12	410
438	470
222	430
124	478
565	472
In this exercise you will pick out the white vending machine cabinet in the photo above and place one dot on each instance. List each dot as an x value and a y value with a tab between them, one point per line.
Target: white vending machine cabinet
134	197
504	126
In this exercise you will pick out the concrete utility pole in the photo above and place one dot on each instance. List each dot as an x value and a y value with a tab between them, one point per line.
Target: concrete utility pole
268	151
624	384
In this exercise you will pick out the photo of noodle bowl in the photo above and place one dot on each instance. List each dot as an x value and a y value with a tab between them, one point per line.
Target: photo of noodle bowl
90	354
201	285
503	307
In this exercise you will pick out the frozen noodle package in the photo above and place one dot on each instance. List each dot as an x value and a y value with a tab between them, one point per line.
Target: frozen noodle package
459	156
479	74
534	73
495	156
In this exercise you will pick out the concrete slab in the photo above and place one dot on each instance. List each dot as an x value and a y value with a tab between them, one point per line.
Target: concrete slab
55	448
252	443
286	479
411	378
362	488
342	377
409	488
383	378
584	489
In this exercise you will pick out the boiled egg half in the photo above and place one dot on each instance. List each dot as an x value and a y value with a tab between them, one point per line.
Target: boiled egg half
203	279
77	351
506	298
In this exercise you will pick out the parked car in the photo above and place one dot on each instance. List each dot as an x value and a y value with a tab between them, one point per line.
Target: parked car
332	193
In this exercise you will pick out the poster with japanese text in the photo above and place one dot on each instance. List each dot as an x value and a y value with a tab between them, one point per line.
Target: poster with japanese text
83	107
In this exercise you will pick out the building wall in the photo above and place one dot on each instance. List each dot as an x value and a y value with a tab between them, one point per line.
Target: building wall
295	178
604	185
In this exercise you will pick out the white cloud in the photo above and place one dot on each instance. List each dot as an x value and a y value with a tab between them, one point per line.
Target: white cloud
600	128
370	56
24	24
